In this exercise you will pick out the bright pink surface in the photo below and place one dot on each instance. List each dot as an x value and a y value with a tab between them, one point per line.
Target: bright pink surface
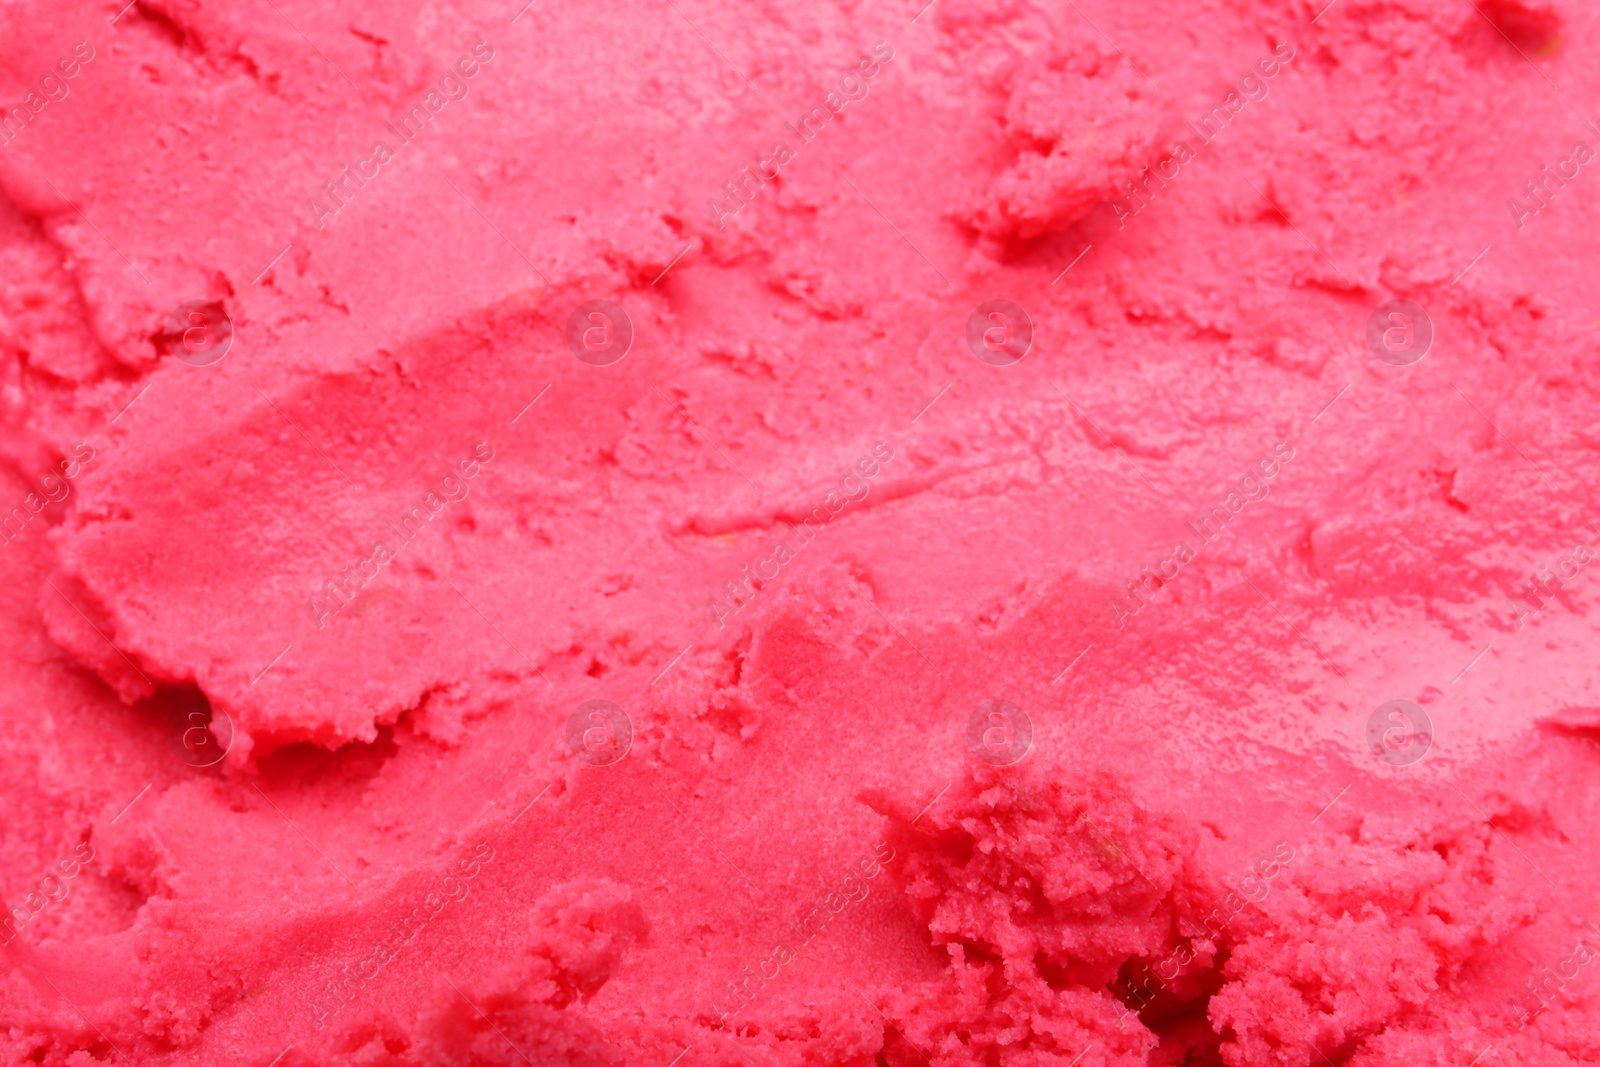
798	534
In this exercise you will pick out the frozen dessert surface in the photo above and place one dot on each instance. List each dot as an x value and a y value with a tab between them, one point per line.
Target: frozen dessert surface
686	534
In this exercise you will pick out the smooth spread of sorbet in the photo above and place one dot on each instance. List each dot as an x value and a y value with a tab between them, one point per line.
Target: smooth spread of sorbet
861	533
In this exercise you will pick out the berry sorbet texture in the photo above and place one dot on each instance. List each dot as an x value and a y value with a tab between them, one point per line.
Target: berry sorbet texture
678	533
